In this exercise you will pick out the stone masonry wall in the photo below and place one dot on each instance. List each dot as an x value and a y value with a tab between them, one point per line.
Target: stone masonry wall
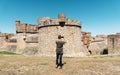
114	44
49	29
20	43
4	40
30	49
27	38
97	44
86	38
72	36
27	44
22	28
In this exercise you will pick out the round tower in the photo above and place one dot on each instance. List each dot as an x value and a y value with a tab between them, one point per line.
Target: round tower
70	31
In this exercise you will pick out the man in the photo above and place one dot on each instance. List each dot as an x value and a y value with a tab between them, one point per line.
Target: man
59	51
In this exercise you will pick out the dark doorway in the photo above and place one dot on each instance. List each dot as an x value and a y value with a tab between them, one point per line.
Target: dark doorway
90	52
105	52
62	24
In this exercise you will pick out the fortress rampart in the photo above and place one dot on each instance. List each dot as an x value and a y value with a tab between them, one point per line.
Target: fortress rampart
49	29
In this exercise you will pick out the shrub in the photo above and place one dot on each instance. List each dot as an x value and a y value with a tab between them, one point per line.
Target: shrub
106	48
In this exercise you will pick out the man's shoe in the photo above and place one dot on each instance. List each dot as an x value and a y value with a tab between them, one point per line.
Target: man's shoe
57	66
60	67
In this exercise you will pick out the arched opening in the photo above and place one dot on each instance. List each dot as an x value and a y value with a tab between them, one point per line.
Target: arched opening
90	51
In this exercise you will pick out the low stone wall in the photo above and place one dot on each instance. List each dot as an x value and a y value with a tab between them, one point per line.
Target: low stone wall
30	49
1	41
12	47
97	47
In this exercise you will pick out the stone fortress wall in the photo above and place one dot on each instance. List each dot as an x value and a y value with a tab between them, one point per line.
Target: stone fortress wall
39	39
5	40
27	38
98	44
114	43
49	29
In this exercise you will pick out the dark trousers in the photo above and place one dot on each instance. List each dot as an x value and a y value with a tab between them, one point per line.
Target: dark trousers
59	59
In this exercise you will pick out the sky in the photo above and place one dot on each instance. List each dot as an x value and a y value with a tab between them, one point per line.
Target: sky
97	16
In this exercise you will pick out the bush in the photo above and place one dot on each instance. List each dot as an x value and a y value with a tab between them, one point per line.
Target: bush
106	49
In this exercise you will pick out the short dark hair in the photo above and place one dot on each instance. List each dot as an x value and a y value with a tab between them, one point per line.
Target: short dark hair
59	36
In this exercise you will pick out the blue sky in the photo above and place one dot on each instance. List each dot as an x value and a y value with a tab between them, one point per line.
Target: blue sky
97	16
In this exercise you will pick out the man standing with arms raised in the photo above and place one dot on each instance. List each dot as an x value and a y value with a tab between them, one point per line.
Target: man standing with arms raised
59	51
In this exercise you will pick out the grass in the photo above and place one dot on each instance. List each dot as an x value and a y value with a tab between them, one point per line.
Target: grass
36	65
44	64
7	53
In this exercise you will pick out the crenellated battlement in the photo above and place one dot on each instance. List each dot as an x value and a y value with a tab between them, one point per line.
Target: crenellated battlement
46	21
25	28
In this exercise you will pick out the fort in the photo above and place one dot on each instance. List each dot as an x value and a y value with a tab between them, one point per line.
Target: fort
39	39
49	29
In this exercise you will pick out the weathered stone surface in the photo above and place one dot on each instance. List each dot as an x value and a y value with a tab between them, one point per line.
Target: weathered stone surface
12	47
98	44
48	35
40	39
24	43
32	38
22	28
61	17
30	49
118	33
20	42
2	34
5	39
114	44
2	39
96	48
101	38
13	39
44	21
86	38
31	28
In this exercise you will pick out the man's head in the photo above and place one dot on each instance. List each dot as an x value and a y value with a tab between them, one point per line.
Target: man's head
59	37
